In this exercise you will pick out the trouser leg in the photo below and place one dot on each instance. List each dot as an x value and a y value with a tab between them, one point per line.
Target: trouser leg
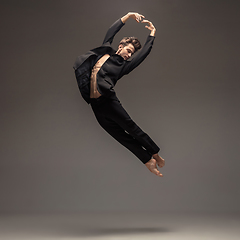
123	138
117	113
115	120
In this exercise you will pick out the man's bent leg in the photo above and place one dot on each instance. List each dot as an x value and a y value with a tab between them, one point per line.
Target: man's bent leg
119	114
121	117
121	136
126	139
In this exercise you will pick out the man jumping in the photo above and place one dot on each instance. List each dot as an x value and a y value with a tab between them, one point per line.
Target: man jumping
97	73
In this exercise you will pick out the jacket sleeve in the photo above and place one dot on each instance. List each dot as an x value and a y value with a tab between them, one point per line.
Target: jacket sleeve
130	65
112	31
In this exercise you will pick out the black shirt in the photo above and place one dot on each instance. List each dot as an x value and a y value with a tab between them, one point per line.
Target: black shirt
113	69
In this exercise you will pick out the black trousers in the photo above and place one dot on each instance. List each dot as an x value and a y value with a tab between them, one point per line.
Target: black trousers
115	120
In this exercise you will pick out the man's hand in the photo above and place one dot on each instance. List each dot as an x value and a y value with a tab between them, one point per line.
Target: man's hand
150	26
136	16
139	18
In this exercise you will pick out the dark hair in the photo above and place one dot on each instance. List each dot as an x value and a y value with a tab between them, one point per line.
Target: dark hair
133	40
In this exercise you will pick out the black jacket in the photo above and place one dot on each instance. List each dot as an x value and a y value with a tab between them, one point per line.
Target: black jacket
112	70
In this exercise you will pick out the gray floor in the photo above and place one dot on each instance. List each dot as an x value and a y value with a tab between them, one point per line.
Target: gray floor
121	226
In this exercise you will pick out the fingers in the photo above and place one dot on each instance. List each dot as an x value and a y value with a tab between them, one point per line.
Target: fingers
138	17
148	22
145	21
150	26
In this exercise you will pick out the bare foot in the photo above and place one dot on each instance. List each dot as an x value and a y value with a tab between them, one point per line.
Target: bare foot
160	160
152	166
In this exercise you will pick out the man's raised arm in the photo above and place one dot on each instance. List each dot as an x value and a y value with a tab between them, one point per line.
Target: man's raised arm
114	29
130	65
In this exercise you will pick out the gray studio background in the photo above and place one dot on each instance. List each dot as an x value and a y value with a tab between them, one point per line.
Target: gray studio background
54	157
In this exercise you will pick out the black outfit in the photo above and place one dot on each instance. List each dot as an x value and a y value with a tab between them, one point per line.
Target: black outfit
107	108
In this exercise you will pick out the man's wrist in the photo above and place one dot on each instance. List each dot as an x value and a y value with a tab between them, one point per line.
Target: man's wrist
153	32
125	17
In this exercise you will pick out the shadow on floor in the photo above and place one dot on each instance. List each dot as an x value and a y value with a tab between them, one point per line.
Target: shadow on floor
112	231
85	226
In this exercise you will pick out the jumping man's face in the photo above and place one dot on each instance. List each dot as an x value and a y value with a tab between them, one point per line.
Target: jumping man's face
125	51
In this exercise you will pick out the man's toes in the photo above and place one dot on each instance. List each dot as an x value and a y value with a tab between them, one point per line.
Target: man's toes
159	174
155	171
161	164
